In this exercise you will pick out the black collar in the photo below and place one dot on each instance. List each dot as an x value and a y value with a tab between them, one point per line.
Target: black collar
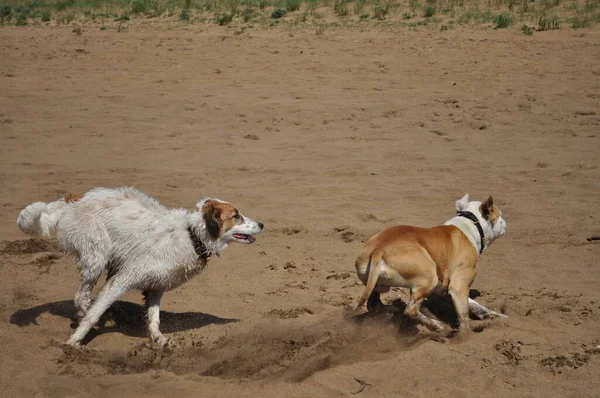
199	246
473	217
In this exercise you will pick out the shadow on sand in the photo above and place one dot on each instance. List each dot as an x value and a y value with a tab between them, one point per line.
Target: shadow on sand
127	318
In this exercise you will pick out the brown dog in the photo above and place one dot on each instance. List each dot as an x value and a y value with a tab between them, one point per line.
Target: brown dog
441	260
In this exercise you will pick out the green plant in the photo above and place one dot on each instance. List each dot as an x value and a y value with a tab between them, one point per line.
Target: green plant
5	12
548	23
185	10
33	4
580	22
340	8
546	4
46	16
233	7
21	16
247	14
590	6
358	7
364	16
138	7
292	5
380	11
527	30
406	15
123	17
224	18
444	27
502	20
64	4
320	30
429	11
278	13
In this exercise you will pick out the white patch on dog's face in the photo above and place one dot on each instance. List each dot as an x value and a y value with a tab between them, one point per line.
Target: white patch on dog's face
243	233
499	227
225	223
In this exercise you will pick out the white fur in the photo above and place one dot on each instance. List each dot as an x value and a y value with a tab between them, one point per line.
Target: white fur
490	231
143	244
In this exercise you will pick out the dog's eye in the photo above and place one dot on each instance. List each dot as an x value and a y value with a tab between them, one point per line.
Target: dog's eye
237	217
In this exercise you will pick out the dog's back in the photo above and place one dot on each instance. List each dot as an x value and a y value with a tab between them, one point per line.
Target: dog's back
118	220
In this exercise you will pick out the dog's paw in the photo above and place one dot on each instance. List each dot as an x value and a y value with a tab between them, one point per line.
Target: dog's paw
74	343
449	332
494	314
160	340
478	316
357	308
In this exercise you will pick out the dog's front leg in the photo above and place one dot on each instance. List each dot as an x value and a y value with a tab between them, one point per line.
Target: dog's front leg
481	312
460	298
152	300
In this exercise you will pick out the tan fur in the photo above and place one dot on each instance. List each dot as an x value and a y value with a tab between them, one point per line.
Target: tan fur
226	215
405	248
439	260
70	198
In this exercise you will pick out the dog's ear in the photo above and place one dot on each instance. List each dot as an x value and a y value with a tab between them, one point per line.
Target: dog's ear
462	203
486	208
211	214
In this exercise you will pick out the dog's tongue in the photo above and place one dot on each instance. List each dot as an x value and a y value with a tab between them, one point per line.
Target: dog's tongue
245	237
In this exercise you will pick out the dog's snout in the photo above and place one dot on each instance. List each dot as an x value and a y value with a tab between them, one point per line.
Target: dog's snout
261	225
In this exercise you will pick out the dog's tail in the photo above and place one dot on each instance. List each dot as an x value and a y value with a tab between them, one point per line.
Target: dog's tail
374	269
39	219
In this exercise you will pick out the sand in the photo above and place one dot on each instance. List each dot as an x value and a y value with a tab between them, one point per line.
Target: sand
326	139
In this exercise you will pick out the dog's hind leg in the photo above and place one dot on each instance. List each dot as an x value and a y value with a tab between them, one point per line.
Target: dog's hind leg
113	290
422	288
413	309
152	301
373	269
91	267
482	312
374	303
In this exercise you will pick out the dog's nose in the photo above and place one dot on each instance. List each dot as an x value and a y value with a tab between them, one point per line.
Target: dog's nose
261	225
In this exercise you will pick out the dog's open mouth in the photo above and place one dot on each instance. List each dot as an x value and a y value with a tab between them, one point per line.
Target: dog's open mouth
244	238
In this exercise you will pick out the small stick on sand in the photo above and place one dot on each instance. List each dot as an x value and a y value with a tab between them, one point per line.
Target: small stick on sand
364	385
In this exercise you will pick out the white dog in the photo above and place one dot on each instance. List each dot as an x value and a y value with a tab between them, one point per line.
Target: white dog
142	244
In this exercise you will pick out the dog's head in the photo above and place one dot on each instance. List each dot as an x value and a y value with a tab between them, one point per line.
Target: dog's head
223	222
488	214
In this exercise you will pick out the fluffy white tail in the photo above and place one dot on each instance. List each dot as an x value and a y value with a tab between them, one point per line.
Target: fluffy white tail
39	219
